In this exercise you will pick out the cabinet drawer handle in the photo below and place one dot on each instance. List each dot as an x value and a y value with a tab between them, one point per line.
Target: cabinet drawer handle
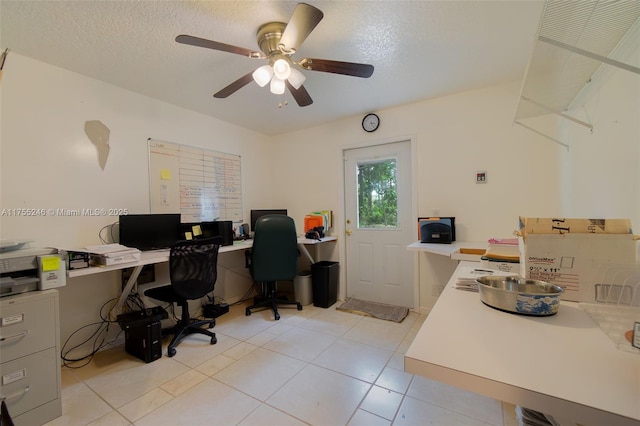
15	336
15	395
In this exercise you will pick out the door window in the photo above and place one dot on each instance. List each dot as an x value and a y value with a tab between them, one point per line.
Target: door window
377	195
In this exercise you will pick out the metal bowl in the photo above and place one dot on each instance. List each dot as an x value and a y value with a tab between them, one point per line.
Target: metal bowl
520	295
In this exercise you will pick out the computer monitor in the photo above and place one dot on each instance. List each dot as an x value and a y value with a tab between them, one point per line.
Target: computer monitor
256	214
150	231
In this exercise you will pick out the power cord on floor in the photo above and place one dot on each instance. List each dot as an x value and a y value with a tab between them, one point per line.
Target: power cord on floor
98	337
133	303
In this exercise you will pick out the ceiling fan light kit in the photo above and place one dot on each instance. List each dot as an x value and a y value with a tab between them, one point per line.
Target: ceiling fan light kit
277	86
263	75
296	78
280	70
278	41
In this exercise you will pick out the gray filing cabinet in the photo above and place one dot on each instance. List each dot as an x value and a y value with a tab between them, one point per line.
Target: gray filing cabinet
29	369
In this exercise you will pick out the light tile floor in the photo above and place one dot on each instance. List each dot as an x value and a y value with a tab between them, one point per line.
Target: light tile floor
316	366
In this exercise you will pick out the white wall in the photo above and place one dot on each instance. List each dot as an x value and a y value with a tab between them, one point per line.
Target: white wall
47	161
463	133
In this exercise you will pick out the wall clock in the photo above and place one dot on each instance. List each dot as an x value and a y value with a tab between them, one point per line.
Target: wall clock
370	122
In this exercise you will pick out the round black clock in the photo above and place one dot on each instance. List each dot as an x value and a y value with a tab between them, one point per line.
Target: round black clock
370	122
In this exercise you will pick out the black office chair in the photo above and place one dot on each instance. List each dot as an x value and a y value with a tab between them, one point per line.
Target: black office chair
273	258
193	273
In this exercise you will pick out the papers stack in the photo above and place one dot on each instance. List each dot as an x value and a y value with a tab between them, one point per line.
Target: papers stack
467	277
112	254
503	250
503	254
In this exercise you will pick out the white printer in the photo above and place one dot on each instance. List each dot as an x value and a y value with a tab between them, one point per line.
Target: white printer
29	269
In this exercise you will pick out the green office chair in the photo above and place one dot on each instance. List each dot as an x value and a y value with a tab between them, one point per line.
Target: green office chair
193	274
273	258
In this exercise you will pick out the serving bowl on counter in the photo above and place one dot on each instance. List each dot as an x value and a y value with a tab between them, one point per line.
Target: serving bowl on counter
520	295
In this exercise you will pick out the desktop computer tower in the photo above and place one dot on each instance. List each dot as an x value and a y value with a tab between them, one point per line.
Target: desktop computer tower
225	230
143	339
218	228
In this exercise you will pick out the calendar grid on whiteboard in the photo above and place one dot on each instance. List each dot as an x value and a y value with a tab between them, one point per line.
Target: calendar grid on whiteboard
202	185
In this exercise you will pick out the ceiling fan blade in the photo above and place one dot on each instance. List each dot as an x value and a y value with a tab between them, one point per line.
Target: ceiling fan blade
300	95
337	67
210	44
235	86
304	19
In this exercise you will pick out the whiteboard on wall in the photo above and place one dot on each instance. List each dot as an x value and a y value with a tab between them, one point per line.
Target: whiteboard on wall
200	184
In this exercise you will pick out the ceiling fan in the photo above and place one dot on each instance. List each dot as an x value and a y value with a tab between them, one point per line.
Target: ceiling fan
278	42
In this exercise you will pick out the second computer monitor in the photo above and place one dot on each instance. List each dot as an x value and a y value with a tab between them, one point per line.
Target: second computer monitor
257	214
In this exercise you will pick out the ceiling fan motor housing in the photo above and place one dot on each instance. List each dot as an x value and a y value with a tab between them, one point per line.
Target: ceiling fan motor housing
269	36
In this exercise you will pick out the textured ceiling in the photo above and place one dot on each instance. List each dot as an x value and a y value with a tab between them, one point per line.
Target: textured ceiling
420	50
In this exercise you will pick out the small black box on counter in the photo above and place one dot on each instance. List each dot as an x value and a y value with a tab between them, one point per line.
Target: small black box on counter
77	260
437	229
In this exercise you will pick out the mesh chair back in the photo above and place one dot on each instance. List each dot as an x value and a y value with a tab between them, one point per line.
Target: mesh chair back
274	255
193	267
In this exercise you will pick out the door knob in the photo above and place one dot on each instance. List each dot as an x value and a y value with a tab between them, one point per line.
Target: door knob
349	232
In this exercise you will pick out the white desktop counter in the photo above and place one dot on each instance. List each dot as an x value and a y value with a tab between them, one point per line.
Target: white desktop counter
563	365
160	256
453	250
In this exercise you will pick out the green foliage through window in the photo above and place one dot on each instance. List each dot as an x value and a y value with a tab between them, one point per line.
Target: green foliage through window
377	195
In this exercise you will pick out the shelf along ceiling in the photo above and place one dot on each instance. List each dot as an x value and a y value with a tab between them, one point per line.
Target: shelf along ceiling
574	40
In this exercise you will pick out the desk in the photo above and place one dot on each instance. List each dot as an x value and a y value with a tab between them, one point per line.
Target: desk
563	365
450	250
160	256
304	242
146	258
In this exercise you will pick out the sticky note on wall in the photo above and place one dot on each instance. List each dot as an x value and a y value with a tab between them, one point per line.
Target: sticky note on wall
165	174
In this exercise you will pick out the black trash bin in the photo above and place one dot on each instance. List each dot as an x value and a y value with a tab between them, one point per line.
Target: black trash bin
324	278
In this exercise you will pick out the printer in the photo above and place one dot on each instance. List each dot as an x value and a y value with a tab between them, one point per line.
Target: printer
29	269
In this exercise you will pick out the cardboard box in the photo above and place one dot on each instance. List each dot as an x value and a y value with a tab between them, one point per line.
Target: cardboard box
538	225
573	252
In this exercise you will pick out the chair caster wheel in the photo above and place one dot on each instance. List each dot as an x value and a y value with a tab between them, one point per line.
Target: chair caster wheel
211	325
247	312
277	316
171	352
214	340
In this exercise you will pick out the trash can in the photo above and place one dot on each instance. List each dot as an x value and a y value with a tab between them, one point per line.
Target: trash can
302	288
325	275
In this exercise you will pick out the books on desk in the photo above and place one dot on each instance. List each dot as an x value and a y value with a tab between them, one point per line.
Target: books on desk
503	250
112	254
503	254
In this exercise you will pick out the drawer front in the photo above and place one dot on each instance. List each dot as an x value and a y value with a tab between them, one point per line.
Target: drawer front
27	325
30	382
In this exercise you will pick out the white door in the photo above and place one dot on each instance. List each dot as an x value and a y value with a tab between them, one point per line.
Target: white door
379	223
